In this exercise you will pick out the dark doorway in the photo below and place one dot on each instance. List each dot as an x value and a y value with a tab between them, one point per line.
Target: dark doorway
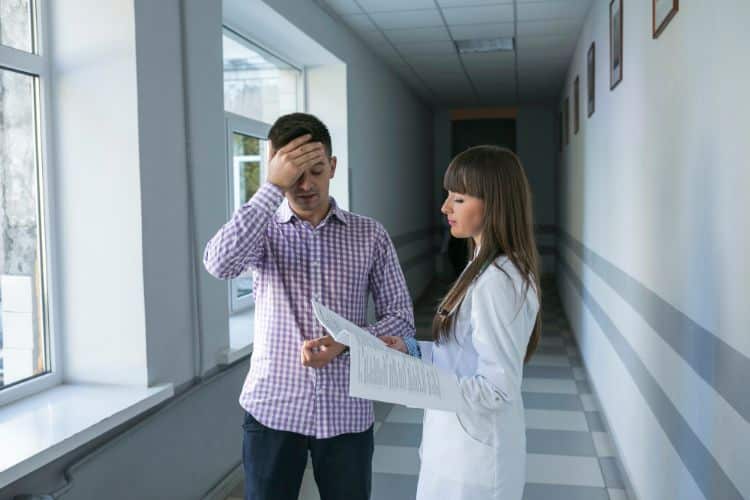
466	134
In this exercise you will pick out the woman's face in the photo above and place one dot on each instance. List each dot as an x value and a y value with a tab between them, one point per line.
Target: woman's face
465	215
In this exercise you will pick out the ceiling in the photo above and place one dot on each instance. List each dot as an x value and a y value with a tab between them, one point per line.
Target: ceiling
416	38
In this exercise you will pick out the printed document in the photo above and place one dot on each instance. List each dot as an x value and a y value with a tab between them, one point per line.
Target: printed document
380	373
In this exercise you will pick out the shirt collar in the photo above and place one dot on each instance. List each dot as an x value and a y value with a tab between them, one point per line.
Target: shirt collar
285	214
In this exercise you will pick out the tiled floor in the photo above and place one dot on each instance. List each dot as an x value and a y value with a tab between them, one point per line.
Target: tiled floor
570	454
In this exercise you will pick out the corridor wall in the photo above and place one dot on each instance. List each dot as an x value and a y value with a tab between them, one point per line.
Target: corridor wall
654	238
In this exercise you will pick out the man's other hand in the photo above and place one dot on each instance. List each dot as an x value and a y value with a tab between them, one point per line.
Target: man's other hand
319	352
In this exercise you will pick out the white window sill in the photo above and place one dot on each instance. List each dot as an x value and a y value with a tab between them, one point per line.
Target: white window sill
38	429
240	337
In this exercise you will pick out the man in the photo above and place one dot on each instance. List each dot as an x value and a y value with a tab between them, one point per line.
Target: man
302	246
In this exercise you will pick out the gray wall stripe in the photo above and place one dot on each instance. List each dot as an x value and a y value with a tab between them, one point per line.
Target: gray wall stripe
706	471
718	363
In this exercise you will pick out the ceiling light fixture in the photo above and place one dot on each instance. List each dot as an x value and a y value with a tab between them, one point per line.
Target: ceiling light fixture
506	44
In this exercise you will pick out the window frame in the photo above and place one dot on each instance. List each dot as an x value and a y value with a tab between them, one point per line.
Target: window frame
246	126
38	65
255	128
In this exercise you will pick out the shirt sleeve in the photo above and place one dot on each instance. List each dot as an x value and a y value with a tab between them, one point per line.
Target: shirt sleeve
393	306
500	333
241	242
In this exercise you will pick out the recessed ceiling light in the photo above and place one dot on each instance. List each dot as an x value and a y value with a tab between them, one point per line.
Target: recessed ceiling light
505	44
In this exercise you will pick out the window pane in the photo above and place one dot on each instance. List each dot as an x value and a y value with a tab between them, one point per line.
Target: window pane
256	85
15	24
246	179
22	336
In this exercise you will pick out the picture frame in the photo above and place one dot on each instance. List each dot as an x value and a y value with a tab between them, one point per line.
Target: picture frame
615	43
662	13
576	105
591	79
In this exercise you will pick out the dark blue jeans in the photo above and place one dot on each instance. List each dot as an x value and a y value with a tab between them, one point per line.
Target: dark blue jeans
275	461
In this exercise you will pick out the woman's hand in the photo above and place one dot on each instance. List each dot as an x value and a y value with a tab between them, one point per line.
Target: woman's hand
394	343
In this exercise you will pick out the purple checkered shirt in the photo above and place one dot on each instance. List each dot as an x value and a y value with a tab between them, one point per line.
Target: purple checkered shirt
338	262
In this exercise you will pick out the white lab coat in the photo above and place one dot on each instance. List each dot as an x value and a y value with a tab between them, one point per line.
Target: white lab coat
480	453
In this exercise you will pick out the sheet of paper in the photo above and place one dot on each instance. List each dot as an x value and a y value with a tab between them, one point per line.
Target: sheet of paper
383	374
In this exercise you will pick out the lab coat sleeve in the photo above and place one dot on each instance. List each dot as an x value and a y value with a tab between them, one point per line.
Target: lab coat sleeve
500	339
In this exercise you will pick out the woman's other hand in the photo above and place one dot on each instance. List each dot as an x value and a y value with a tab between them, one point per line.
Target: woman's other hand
394	343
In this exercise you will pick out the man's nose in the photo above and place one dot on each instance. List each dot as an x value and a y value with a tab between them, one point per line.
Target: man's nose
304	183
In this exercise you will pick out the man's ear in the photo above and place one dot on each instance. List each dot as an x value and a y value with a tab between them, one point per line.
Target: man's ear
333	166
271	151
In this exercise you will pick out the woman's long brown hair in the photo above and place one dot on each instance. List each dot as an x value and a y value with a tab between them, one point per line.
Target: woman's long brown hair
496	176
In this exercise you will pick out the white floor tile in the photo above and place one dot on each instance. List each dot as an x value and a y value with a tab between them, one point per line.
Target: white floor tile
549	385
560	469
395	460
589	402
617	494
556	420
404	415
603	444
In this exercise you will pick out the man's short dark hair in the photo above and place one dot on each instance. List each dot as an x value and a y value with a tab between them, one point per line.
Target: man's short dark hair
289	127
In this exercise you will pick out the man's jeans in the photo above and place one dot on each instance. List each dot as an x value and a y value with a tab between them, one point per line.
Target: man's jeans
275	461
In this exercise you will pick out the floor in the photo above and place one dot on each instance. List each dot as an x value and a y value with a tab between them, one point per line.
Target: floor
570	453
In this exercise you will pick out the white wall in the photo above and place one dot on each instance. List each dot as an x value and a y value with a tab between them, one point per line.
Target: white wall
654	186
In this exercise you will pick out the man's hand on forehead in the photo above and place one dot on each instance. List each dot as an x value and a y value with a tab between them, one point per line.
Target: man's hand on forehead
290	161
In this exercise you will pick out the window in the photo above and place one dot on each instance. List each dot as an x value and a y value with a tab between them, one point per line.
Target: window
248	154
258	88
258	85
24	326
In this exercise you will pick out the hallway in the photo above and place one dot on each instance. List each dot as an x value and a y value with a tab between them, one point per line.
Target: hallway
570	452
135	330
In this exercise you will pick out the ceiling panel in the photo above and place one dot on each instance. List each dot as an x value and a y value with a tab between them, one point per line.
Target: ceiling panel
344	6
543	42
502	13
484	30
392	5
542	28
414	35
414	39
359	22
407	19
553	10
464	3
427	48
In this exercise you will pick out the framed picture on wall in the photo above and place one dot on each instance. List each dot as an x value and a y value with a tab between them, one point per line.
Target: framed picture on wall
591	79
566	121
576	105
615	43
663	12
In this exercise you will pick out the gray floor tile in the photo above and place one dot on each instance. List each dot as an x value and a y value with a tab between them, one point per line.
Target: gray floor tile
611	472
393	486
382	410
393	434
561	492
547	349
571	443
583	387
533	371
594	419
541	401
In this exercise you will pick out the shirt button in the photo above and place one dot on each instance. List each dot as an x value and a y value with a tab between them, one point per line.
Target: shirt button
315	263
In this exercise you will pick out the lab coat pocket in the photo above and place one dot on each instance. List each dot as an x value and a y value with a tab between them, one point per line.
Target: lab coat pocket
449	451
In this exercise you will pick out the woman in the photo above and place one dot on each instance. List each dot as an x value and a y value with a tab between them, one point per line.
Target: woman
486	327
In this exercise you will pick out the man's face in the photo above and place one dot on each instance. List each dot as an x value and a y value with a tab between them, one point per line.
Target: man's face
310	193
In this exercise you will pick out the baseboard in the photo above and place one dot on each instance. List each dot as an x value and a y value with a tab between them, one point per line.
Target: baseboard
222	490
